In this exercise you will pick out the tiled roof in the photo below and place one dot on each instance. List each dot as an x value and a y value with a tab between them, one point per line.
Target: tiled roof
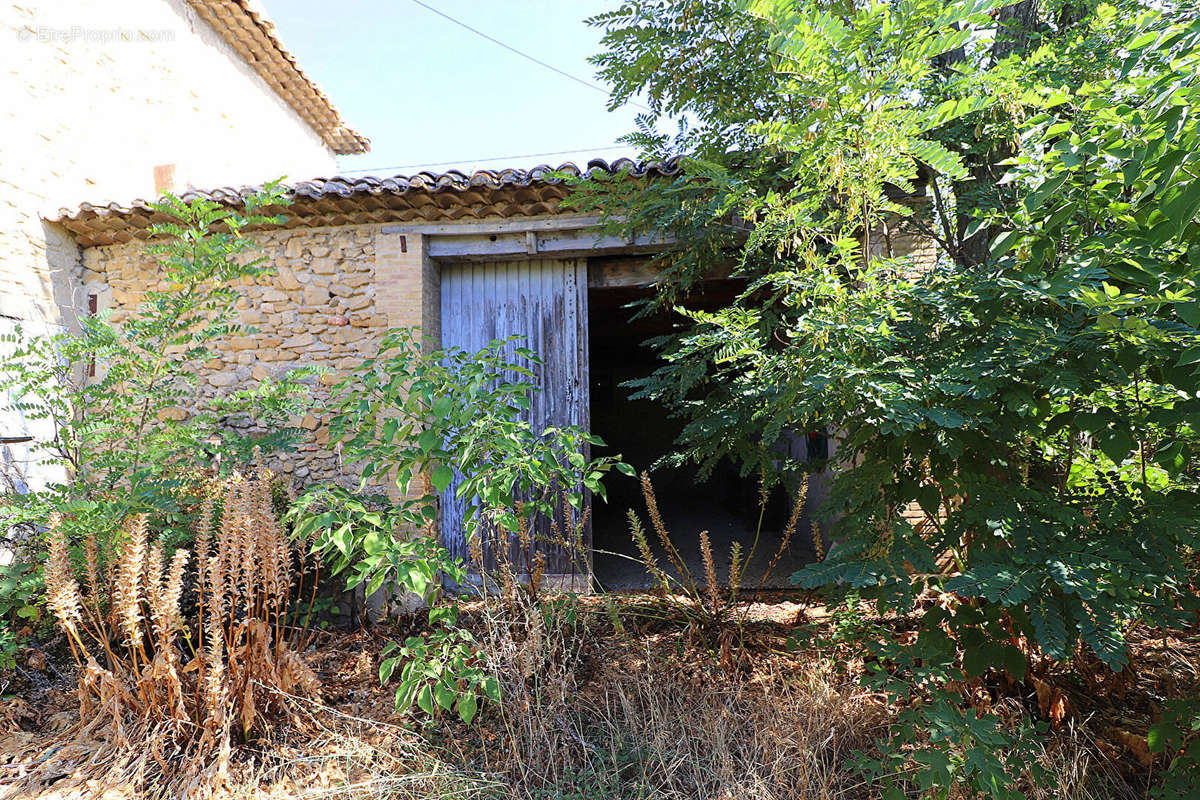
246	28
424	197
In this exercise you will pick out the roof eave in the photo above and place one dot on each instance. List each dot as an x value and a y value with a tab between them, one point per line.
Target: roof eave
422	198
251	34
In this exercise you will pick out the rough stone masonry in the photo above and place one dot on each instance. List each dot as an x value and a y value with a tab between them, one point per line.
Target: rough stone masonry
332	294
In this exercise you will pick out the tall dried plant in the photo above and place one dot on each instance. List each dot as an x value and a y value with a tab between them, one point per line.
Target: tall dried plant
714	601
206	680
509	562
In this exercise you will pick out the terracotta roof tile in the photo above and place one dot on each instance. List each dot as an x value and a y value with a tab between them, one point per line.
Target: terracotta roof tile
246	28
423	197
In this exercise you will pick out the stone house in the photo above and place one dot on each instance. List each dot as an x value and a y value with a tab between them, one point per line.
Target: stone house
130	99
467	258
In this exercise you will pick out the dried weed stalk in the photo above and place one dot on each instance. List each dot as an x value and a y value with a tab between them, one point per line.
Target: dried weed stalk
185	691
714	601
534	644
511	563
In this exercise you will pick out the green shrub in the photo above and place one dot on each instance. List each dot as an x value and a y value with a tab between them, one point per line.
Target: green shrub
1177	737
408	415
20	593
9	647
416	418
369	535
441	670
113	393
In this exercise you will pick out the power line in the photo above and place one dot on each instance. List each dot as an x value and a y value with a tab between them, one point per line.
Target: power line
491	158
523	54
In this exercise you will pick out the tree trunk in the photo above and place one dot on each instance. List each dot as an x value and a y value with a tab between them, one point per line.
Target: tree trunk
1016	26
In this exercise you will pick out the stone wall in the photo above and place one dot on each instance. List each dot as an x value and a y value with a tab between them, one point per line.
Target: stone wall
901	239
332	295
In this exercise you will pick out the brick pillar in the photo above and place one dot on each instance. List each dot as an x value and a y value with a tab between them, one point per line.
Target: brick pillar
407	288
407	292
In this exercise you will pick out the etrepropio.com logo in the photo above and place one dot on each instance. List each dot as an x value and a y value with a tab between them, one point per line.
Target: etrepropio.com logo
72	34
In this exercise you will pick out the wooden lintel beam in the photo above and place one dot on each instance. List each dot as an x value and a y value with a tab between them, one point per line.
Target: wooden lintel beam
553	244
605	273
557	222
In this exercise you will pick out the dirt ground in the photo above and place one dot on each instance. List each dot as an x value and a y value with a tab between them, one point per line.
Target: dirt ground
354	742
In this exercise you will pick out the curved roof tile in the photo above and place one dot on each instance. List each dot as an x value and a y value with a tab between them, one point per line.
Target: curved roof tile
425	196
245	27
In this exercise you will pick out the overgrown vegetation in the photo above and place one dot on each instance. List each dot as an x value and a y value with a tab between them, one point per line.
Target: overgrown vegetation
967	231
446	426
1031	389
172	693
132	431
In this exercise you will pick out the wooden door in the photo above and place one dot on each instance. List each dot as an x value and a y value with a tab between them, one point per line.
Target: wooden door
545	302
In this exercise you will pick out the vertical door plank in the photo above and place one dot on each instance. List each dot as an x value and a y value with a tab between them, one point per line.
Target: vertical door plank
544	301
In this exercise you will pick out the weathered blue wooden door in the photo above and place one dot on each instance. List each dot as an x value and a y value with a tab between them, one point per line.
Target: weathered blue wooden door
545	302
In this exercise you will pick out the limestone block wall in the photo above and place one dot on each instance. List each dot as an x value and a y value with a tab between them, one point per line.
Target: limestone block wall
333	293
921	250
95	96
901	239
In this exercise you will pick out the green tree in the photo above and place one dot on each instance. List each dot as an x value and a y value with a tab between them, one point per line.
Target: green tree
1035	391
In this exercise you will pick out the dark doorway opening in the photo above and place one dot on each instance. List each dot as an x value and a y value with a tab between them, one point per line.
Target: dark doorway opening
726	504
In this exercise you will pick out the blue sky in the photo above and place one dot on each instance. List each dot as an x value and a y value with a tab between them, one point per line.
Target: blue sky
427	91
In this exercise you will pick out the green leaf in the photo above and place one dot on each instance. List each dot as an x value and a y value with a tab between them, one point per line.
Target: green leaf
929	498
1189	312
429	440
1050	628
343	539
467	707
386	668
1190	356
1116	444
1157	737
425	700
376	582
405	694
444	616
445	695
1014	661
953	109
441	477
1173	457
373	543
1182	207
443	406
1039	195
976	660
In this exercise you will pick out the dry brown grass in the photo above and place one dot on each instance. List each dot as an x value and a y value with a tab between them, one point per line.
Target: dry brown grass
762	737
692	693
593	714
590	711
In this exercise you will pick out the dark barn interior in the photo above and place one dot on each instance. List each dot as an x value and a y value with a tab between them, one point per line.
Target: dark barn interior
725	504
